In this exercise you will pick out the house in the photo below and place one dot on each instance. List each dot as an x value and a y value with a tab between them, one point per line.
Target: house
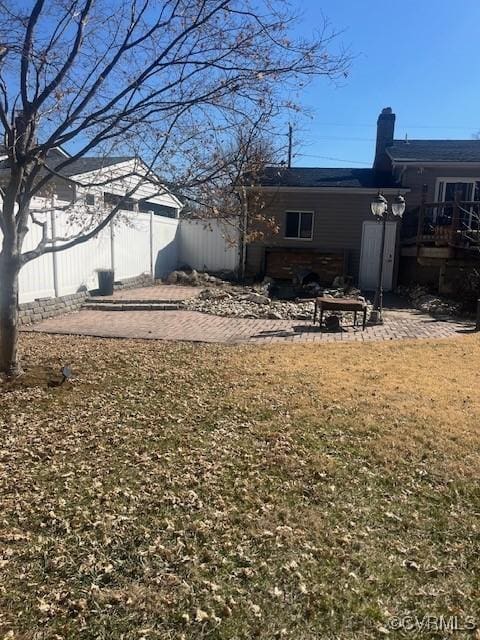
102	181
146	240
143	241
439	244
324	222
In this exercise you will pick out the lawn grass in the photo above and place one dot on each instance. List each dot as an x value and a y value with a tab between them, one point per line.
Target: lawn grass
182	491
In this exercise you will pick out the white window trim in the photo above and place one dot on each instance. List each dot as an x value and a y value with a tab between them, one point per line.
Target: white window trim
451	179
285	237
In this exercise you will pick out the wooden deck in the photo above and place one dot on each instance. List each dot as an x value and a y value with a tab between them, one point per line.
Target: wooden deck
442	229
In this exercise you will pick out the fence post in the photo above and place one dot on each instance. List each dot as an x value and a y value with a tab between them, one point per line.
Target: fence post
54	253
243	234
152	264
112	246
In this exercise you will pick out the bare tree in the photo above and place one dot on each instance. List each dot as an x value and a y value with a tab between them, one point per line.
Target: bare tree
170	80
226	196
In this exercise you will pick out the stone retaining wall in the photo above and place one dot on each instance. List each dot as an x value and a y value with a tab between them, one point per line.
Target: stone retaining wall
41	308
143	280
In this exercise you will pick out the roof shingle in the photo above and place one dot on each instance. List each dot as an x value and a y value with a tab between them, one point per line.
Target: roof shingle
75	168
306	177
92	163
435	150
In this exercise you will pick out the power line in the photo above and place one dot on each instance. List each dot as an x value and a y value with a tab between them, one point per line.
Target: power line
403	126
343	138
307	155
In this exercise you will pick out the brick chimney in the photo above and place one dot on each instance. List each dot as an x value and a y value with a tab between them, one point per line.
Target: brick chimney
385	131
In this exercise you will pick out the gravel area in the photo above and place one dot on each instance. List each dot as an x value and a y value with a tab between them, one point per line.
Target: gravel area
223	298
431	303
239	302
239	306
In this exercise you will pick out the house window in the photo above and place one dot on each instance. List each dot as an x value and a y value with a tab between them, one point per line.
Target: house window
90	199
468	191
158	209
112	199
299	225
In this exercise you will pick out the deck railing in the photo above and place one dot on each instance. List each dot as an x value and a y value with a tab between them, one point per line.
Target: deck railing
454	223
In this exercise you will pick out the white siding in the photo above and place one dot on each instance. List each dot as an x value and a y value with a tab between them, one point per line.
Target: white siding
123	181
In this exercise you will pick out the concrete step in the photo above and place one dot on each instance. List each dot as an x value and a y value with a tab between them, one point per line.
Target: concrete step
132	306
123	301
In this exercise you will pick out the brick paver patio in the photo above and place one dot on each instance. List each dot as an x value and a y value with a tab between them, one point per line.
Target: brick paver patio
158	292
200	327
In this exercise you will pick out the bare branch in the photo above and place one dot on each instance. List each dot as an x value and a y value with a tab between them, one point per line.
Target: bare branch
27	52
55	82
172	82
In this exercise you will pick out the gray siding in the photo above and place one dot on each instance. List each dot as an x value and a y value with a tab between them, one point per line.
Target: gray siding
337	224
414	178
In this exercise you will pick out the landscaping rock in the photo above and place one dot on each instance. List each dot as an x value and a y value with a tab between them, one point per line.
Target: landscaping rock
338	282
240	302
172	278
214	294
258	298
193	278
430	303
183	278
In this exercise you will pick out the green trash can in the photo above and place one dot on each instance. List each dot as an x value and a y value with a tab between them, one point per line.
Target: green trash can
106	278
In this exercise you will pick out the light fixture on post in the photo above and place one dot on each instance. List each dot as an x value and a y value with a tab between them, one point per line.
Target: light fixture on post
379	208
398	206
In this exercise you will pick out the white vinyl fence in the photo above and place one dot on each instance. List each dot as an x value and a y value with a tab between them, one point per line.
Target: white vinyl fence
137	243
209	246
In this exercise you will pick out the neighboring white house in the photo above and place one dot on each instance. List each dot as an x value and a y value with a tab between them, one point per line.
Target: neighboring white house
103	180
146	237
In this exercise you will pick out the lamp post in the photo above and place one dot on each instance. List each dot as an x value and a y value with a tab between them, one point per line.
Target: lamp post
379	208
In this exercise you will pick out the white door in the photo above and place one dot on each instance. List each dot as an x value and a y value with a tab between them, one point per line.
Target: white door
370	255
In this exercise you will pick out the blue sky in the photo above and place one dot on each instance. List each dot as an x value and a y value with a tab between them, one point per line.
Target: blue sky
419	57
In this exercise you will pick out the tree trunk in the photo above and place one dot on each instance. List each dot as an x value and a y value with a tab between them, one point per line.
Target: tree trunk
9	363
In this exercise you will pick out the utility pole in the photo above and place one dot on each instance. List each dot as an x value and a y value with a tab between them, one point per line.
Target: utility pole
290	136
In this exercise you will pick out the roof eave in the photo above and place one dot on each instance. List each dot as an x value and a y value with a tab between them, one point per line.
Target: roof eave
434	163
352	190
178	202
102	168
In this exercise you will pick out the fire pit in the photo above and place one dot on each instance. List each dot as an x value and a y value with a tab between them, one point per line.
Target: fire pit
340	304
